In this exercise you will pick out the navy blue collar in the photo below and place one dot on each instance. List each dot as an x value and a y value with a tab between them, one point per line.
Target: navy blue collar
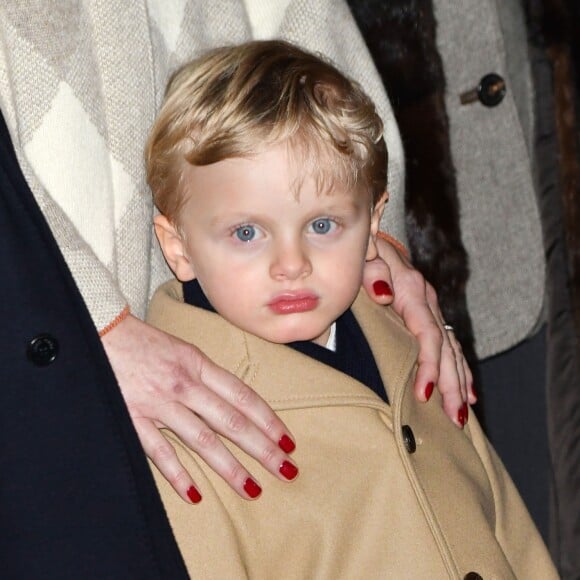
353	355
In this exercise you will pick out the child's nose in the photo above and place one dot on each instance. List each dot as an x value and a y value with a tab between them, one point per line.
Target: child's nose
290	261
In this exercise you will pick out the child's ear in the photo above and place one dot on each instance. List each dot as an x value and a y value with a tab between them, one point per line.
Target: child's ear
377	212
173	248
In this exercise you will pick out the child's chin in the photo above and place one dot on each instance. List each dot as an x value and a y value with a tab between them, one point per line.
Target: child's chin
296	336
297	331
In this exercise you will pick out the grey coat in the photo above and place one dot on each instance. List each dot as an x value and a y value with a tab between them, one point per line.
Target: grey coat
491	148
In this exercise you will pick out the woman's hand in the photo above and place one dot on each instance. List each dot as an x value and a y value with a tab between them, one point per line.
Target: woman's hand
391	279
168	383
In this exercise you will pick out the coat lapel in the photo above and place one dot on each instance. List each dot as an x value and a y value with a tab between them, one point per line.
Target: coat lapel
394	348
283	377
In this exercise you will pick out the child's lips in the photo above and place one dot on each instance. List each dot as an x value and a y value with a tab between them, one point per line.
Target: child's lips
293	302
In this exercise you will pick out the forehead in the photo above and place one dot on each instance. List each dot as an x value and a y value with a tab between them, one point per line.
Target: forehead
289	165
319	165
272	182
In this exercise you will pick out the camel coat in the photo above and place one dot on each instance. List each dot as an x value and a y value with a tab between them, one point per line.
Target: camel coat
384	491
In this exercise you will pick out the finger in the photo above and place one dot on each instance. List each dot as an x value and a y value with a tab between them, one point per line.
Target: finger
411	304
453	375
449	386
438	360
428	360
433	302
377	281
416	302
208	446
462	365
421	321
245	400
229	407
471	392
200	435
465	374
459	363
163	455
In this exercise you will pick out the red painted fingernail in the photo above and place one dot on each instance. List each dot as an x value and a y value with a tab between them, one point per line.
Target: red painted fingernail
193	495
252	488
288	470
466	411
461	415
429	390
286	444
381	288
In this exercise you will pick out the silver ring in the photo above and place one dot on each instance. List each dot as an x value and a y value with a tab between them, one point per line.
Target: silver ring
448	328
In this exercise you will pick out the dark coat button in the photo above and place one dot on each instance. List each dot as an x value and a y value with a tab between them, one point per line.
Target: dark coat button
472	576
42	350
490	91
409	439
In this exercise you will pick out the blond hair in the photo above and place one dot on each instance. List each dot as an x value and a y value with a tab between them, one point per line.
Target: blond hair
236	101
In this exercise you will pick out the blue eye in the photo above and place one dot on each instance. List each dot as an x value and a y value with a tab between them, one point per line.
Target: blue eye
245	233
322	226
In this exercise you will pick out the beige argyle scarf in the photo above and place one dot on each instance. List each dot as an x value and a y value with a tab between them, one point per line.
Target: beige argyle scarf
80	82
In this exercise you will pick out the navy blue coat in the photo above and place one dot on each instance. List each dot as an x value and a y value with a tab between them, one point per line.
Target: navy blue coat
77	499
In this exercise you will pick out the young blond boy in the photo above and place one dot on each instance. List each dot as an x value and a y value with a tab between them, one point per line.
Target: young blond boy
269	169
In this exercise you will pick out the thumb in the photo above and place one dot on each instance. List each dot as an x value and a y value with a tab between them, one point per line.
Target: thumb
377	281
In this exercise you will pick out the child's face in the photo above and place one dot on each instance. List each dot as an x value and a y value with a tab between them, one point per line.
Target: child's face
278	265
